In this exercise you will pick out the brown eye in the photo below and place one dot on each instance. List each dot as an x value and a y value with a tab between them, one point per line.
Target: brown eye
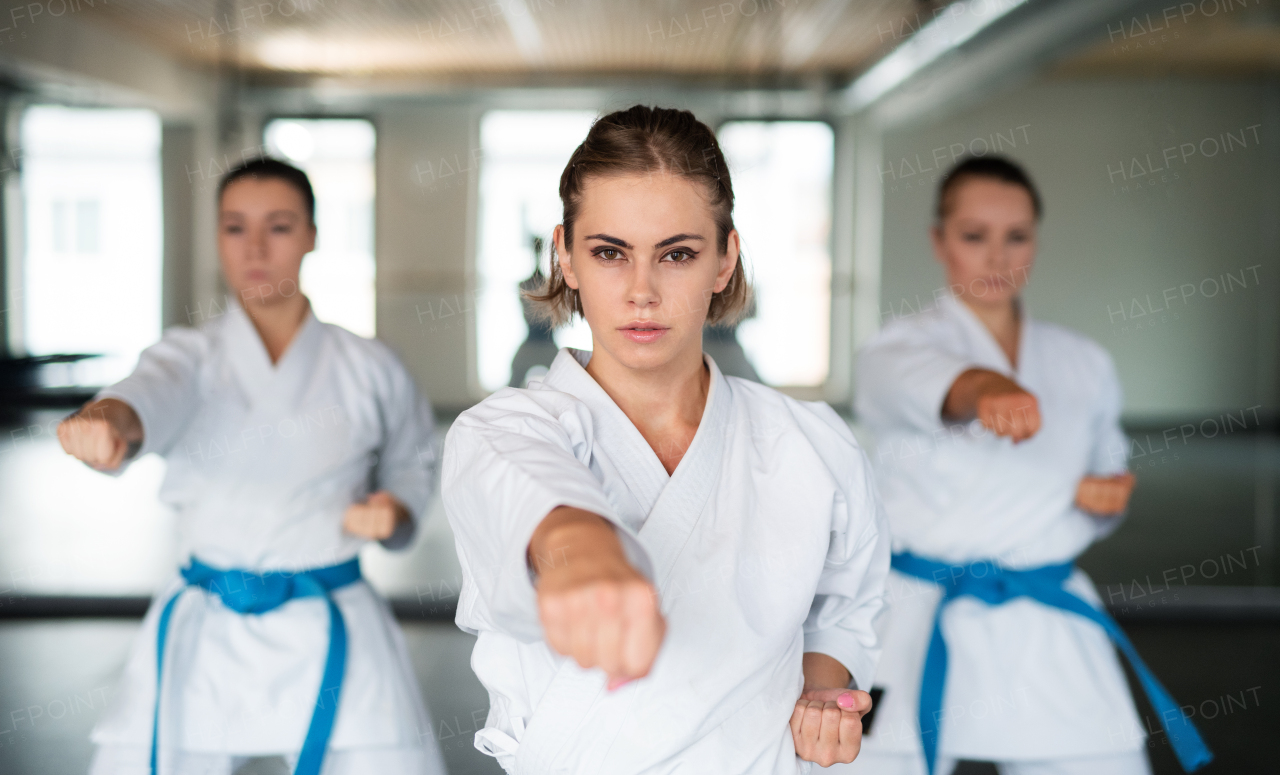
233	228
679	256
609	254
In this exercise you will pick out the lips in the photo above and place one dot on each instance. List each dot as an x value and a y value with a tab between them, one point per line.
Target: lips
643	331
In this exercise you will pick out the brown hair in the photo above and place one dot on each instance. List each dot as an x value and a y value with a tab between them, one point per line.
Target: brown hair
990	167
263	168
643	140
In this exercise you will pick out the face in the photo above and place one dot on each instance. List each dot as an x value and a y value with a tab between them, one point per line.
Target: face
645	262
263	233
987	242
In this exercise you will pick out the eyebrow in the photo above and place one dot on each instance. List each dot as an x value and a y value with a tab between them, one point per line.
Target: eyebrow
679	238
668	241
272	214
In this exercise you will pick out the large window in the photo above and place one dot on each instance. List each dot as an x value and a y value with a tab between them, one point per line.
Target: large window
782	186
337	154
523	154
90	274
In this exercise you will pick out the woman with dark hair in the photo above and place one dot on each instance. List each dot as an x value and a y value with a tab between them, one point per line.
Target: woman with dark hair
668	570
289	444
1000	459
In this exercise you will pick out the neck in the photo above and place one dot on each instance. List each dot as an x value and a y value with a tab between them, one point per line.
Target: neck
278	322
665	404
1003	320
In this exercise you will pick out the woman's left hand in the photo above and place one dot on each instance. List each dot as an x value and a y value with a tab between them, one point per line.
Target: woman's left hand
826	725
376	518
1105	495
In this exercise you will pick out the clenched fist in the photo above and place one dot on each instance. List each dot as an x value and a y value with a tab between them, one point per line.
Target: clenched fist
1105	495
377	518
826	725
101	433
1003	406
594	606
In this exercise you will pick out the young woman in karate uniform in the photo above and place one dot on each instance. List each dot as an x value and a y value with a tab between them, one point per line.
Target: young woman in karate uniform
289	444
1000	458
668	570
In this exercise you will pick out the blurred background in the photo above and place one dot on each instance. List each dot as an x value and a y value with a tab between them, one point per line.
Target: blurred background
435	131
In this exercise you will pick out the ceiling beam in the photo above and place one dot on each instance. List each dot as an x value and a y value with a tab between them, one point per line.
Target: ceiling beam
1013	43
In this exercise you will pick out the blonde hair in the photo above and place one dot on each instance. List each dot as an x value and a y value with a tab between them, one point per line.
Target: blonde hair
644	140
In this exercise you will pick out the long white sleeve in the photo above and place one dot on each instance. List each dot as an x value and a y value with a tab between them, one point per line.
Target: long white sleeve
850	594
164	387
1111	445
508	462
902	378
407	461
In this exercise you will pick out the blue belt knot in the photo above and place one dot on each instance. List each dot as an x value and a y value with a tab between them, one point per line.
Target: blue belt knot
995	584
247	592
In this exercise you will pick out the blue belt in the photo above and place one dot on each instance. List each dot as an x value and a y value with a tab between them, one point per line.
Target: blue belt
994	585
256	593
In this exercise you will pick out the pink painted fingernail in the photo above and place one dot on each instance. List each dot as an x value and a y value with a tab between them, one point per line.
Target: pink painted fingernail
845	700
618	683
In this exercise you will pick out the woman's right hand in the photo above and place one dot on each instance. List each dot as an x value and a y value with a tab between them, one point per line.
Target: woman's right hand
100	433
594	606
1002	406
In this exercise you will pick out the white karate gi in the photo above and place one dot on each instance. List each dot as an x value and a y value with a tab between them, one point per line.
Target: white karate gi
262	462
766	542
1025	681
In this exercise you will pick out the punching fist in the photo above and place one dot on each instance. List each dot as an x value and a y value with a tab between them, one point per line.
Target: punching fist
594	606
376	518
826	725
1002	406
100	434
1105	496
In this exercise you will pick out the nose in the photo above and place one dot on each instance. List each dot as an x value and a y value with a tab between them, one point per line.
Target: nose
258	243
642	289
998	255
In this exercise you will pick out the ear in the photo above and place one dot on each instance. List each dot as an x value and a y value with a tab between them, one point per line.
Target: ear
728	262
311	240
936	239
562	257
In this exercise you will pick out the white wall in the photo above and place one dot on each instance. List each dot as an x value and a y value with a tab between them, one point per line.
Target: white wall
427	165
1113	237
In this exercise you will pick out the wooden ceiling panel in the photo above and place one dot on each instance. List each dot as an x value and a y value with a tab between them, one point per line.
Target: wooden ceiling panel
466	37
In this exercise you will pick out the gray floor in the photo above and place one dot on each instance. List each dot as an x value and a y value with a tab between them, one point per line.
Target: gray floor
1203	515
57	676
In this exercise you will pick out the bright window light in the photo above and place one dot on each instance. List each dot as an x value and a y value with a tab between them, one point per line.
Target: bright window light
782	187
91	265
523	154
337	154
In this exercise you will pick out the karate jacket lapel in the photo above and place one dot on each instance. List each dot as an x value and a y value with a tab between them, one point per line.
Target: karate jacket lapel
983	346
576	699
270	386
683	501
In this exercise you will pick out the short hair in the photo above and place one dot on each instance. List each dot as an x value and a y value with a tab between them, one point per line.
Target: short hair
263	168
638	141
998	168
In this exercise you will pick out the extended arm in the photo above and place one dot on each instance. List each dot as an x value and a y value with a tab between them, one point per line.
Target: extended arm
511	469
102	434
593	604
1000	404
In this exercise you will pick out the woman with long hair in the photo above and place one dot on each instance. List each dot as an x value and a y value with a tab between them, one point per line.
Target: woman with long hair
289	444
668	570
1000	458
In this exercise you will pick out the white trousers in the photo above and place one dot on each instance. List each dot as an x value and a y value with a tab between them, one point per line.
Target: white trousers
868	763
135	760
